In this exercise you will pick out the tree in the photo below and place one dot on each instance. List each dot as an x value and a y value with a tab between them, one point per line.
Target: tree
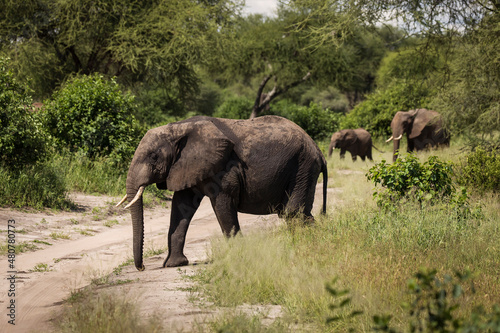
22	141
464	34
158	40
271	50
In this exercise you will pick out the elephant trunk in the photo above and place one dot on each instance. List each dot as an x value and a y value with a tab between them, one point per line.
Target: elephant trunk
395	150
137	213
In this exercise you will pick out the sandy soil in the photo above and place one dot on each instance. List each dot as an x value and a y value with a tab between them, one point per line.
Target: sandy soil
89	243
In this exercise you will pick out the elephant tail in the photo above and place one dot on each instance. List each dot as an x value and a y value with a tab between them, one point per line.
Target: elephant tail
380	151
324	171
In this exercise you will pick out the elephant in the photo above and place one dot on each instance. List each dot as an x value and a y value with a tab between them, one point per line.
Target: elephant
423	128
257	166
356	141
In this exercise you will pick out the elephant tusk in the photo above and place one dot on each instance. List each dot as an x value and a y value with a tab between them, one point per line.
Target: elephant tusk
137	196
399	137
389	139
121	201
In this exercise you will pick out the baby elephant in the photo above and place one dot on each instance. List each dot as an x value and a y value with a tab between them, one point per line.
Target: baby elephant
358	142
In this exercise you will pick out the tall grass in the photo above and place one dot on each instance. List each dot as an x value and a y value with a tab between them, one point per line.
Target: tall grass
35	186
94	176
372	252
105	312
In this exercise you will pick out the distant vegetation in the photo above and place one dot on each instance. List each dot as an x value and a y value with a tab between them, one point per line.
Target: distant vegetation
105	72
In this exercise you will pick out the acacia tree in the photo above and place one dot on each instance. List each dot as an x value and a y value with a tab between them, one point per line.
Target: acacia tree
464	32
274	53
158	40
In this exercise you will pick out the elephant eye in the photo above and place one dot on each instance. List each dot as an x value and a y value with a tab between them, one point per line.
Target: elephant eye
154	156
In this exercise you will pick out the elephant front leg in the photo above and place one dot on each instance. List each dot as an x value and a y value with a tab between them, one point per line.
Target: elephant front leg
184	205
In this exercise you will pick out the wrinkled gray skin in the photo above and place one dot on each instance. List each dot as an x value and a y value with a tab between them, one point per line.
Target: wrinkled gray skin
423	129
358	142
259	166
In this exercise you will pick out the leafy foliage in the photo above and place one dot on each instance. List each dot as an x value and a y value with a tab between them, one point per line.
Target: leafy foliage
319	123
470	101
36	186
434	303
91	115
130	39
235	108
408	178
22	140
481	170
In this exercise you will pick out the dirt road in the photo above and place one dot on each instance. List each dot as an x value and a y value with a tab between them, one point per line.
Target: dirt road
73	248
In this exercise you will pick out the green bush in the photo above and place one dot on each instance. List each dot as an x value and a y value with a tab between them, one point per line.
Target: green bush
235	108
408	178
91	115
22	140
481	170
376	112
434	305
319	123
36	186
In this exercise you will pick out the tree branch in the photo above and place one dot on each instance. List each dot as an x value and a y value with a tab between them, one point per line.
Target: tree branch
261	103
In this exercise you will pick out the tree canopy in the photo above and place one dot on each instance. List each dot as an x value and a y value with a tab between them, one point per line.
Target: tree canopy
156	40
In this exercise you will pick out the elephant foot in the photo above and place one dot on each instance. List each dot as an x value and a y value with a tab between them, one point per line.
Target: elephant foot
175	261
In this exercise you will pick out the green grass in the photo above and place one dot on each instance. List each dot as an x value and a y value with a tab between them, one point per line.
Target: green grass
98	176
104	312
59	235
21	247
373	253
111	223
35	186
40	268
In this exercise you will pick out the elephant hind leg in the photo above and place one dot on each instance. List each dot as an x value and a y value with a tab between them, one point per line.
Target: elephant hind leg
227	214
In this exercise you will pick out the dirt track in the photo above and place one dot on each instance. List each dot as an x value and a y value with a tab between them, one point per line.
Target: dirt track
94	250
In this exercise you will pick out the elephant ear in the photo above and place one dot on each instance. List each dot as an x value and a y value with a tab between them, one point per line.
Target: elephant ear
350	137
202	152
422	118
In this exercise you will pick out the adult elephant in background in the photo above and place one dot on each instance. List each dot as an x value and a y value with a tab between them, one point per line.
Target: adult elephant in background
356	141
423	129
259	166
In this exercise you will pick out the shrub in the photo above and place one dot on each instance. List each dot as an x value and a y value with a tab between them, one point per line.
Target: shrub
91	115
376	112
319	123
481	170
235	108
434	303
408	178
22	140
35	186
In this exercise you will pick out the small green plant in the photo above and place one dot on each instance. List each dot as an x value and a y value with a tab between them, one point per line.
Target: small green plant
344	302
85	232
43	221
74	221
434	305
40	268
110	223
59	235
41	242
407	178
481	170
117	270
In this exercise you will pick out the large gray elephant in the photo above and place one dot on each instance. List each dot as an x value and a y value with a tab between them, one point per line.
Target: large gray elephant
259	166
423	129
356	141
